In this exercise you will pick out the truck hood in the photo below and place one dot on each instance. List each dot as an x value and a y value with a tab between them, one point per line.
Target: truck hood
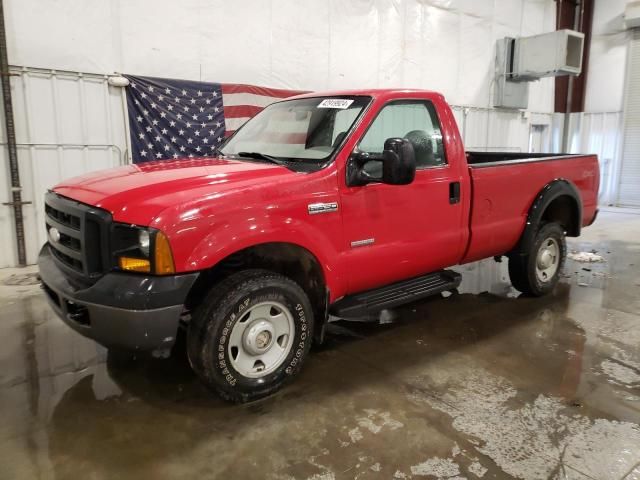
138	193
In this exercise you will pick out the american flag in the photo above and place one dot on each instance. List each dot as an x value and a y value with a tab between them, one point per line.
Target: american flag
171	119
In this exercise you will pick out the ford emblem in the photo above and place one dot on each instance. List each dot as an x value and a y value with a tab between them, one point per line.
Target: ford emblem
54	234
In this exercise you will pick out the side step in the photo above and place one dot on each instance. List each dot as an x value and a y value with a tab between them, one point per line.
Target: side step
372	301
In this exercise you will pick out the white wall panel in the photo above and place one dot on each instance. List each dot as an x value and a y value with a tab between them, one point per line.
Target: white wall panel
71	34
415	18
484	129
354	44
233	50
445	45
598	133
607	57
475	130
535	18
610	59
602	134
629	194
476	61
299	50
67	124
440	40
165	38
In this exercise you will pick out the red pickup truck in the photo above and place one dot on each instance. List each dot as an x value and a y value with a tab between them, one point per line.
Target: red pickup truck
341	203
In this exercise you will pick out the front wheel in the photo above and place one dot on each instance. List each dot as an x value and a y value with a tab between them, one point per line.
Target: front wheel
537	271
250	335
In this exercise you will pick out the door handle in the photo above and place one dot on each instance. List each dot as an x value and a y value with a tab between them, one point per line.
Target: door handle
454	193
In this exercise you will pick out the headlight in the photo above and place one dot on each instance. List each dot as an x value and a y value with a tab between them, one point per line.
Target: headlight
141	249
144	240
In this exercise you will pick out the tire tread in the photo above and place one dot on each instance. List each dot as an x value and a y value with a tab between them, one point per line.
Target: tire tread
522	264
220	298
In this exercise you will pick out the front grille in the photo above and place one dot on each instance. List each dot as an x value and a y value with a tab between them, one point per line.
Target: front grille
78	235
67	260
70	242
64	218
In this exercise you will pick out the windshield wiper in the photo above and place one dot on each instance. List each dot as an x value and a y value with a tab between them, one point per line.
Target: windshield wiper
260	156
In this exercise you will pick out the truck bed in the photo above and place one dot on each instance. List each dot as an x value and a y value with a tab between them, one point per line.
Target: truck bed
505	185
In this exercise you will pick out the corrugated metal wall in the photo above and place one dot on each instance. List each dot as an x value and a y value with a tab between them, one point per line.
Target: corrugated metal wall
67	123
630	169
601	133
491	129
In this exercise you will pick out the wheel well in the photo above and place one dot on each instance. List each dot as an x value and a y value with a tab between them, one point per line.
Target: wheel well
292	261
564	210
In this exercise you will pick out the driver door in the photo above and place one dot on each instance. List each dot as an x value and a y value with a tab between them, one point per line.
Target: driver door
395	232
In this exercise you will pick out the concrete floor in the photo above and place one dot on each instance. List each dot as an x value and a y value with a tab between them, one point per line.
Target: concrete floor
477	385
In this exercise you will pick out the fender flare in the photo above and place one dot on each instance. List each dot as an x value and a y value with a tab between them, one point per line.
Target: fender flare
551	191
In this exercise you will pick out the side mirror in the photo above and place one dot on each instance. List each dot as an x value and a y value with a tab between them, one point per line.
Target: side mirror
398	162
395	166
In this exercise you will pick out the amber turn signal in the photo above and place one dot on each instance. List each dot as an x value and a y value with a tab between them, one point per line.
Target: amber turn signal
163	256
134	264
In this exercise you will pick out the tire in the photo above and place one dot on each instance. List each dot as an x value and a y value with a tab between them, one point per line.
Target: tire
235	341
526	268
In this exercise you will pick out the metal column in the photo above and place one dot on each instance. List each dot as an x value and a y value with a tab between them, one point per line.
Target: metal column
16	190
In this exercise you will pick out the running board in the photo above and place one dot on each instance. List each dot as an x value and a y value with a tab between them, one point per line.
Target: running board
372	301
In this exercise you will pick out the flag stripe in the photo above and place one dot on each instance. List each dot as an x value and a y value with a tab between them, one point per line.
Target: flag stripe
232	99
228	88
235	123
240	111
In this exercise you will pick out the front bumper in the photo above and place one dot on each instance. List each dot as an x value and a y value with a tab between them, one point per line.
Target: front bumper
120	310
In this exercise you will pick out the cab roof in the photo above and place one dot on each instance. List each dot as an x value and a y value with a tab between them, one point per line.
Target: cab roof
376	93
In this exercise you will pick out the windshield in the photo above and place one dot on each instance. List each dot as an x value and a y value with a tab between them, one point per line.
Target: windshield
308	129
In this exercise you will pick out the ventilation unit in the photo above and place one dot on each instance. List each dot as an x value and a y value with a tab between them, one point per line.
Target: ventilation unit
548	55
632	14
526	59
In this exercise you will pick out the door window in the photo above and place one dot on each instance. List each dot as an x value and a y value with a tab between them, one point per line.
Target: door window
415	120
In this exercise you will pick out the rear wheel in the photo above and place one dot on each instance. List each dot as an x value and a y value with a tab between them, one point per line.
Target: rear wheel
537	271
250	335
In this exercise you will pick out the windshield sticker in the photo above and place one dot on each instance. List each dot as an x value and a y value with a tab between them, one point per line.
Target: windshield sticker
341	103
